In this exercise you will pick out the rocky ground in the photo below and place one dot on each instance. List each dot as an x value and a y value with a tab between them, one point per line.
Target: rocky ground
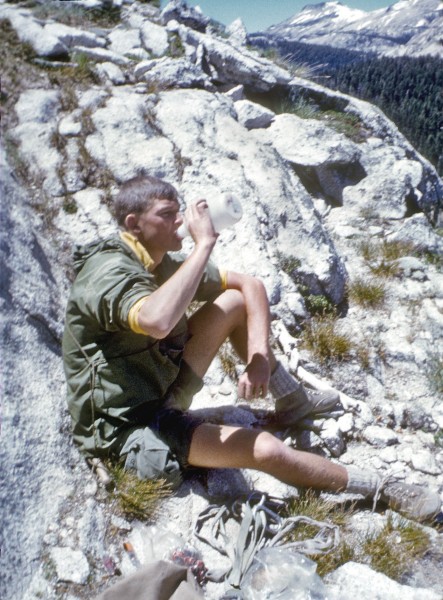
339	210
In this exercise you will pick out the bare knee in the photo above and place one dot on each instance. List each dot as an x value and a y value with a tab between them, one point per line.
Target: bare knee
269	451
232	302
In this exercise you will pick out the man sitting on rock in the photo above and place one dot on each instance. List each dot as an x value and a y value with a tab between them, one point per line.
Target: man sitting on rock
133	361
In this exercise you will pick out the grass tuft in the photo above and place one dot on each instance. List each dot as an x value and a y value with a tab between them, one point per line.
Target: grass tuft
70	13
345	123
308	504
394	549
381	256
229	360
80	71
391	551
367	293
137	498
348	124
301	108
321	338
435	373
288	264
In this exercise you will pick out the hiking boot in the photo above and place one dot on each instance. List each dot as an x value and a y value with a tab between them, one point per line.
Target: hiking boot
303	402
413	501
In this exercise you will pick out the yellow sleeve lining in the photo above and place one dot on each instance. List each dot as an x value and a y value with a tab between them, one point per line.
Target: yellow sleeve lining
133	316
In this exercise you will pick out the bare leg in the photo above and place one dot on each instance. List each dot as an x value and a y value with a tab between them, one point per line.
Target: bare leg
220	446
214	323
210	326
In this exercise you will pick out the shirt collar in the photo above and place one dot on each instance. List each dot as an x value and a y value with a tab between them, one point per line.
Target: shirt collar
139	250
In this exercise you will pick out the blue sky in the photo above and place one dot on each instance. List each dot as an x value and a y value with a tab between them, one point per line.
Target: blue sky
260	14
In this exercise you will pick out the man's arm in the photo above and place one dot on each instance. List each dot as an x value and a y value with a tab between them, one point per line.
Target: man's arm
253	345
161	311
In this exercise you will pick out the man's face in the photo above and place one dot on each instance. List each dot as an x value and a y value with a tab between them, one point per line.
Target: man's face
158	227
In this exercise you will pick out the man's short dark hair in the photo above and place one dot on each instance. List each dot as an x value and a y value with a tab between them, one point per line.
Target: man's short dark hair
137	195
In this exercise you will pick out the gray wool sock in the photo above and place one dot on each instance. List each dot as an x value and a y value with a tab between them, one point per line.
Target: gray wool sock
281	385
361	481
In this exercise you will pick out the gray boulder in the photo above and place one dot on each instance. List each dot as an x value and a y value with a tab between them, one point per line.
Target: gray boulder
191	16
73	36
231	64
102	55
163	73
154	38
237	33
43	42
252	115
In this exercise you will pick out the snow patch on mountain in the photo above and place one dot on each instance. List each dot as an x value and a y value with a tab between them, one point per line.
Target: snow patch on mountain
408	27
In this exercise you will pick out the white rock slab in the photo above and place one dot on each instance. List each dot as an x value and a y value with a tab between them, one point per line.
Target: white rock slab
71	565
125	143
73	36
424	461
380	436
253	115
102	55
111	72
310	142
353	580
154	38
29	31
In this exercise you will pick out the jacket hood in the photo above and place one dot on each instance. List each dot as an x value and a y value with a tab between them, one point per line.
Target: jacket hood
83	253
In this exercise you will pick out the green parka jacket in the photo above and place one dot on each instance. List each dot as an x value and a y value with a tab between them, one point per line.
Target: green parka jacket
116	379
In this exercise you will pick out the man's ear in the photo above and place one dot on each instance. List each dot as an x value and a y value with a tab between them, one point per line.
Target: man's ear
131	223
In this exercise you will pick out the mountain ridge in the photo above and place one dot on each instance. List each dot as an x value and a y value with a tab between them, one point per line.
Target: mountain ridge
406	28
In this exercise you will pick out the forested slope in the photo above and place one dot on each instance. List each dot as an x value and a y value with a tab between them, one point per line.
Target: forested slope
408	90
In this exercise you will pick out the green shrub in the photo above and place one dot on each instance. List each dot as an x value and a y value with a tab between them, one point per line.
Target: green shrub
176	47
318	305
70	205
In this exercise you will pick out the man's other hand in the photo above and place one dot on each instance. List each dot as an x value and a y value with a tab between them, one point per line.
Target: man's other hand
254	382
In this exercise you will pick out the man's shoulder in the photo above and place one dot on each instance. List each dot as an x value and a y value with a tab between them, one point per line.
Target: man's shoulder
111	249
